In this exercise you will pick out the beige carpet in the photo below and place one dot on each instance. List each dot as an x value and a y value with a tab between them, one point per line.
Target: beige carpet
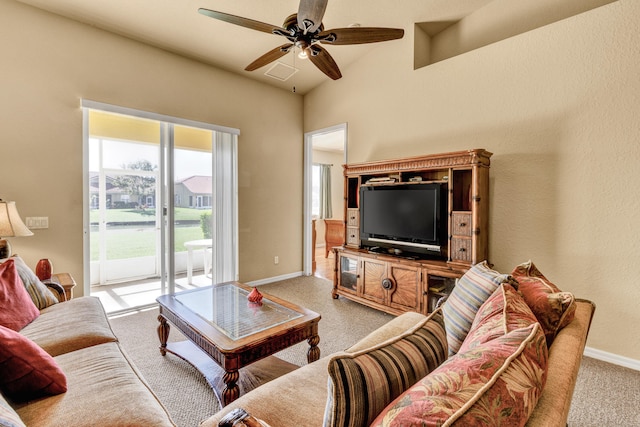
606	395
185	392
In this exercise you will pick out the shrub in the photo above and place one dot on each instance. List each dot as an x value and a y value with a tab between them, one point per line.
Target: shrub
205	224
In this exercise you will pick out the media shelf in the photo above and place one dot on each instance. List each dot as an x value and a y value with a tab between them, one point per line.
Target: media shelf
404	282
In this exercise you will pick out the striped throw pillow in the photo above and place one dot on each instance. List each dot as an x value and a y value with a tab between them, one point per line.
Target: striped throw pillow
470	292
9	417
362	384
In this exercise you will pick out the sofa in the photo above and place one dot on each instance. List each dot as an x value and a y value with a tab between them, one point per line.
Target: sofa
529	379
65	366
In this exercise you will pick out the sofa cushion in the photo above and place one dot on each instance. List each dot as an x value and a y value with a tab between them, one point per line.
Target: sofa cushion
553	308
362	384
9	417
104	389
16	308
470	292
41	296
504	311
495	383
27	371
71	325
300	395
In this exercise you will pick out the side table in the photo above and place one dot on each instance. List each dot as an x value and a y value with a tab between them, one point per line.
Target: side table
66	281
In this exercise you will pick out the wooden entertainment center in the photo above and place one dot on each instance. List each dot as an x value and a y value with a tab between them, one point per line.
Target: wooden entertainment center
394	283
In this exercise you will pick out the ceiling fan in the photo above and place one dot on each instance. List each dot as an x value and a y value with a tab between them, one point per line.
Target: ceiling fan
305	31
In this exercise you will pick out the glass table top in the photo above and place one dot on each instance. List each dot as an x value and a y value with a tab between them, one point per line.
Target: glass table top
226	308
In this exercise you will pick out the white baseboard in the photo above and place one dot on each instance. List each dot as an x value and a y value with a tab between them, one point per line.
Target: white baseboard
612	358
274	279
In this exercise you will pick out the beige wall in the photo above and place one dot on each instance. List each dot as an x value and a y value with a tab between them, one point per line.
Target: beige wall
559	108
49	64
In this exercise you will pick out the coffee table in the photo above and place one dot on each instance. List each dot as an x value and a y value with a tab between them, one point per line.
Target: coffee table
222	324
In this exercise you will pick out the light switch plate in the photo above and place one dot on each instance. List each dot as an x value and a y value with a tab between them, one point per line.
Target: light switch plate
37	222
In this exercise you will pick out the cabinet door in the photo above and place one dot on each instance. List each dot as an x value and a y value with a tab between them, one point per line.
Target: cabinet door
373	272
406	291
347	277
437	285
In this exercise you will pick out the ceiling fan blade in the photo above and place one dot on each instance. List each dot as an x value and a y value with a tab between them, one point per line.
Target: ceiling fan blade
270	56
310	14
359	35
243	22
325	63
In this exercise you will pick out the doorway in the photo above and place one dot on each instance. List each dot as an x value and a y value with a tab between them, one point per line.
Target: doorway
324	149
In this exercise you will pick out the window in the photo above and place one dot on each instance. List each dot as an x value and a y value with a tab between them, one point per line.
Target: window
315	191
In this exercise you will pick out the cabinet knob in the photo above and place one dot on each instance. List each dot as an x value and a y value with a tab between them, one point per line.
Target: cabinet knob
387	283
463	224
462	250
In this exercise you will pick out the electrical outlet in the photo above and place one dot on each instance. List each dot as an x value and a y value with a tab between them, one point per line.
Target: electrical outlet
276	260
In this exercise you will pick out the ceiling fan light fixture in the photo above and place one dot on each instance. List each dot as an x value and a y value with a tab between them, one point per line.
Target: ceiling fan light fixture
304	30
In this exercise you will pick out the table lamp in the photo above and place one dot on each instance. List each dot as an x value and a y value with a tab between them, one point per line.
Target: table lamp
11	225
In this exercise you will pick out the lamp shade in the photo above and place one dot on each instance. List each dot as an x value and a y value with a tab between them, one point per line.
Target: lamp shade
10	222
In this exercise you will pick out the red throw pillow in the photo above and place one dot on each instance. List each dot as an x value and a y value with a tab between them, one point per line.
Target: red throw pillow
553	308
27	371
17	309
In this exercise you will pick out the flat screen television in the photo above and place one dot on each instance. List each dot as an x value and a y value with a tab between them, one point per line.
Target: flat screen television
404	218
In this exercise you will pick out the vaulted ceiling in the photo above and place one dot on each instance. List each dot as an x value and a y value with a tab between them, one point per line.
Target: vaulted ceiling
436	29
176	26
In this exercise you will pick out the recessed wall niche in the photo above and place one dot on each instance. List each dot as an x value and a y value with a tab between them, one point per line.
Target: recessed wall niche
498	20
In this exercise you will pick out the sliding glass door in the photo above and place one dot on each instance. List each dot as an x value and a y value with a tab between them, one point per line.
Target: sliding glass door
192	206
124	189
161	205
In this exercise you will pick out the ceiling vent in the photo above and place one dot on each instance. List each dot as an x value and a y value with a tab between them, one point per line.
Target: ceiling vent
280	71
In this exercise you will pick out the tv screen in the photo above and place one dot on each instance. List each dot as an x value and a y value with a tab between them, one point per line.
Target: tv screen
397	215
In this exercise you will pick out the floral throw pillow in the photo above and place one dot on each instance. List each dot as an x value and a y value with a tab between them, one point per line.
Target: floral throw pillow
496	383
504	311
553	308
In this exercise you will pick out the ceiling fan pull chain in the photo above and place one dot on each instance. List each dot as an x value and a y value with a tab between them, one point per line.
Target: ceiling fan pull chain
294	68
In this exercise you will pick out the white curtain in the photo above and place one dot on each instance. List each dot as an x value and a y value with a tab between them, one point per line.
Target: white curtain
325	191
225	207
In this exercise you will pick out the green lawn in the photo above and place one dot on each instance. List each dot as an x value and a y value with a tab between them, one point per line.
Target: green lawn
134	242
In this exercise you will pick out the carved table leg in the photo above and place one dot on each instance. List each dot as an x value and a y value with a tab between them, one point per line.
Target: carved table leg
313	353
231	391
163	334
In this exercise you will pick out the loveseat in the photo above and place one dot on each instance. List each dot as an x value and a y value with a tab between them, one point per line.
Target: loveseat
531	383
65	367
